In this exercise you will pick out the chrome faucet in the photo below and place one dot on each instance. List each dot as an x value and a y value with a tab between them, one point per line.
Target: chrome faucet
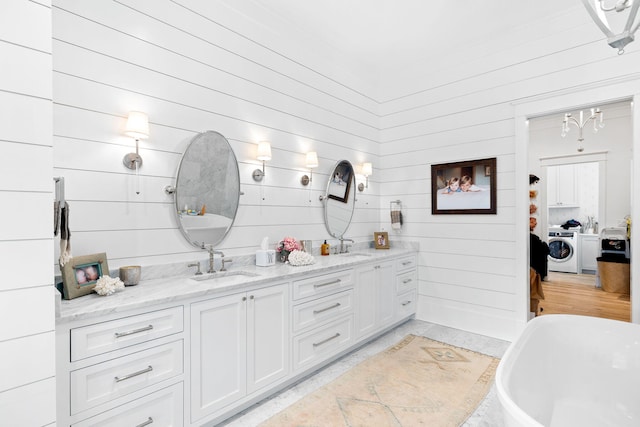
225	260
211	253
342	247
196	264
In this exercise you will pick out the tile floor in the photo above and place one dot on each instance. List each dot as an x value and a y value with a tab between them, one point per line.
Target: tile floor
488	413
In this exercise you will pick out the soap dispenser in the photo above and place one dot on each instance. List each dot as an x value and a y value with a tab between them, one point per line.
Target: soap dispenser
324	249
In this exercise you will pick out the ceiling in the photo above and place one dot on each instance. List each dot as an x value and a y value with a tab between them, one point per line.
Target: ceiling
402	32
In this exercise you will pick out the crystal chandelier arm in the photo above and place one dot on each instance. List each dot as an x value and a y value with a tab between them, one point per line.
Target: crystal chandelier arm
597	18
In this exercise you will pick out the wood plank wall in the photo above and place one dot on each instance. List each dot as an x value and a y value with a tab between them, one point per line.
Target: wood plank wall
27	318
462	108
196	66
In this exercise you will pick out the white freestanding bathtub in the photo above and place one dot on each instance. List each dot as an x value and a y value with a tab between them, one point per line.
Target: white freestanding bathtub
567	370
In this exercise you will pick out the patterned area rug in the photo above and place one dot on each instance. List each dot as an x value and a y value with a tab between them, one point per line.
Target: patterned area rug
416	382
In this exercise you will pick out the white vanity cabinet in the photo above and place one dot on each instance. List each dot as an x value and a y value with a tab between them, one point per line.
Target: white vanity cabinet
197	359
239	344
375	293
406	287
322	308
121	368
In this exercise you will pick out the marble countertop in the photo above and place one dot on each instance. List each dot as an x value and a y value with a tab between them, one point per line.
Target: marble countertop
237	278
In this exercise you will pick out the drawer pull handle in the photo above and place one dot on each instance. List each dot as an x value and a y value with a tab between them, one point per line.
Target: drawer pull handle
133	331
406	303
135	374
406	280
146	423
333	282
322	310
316	344
406	263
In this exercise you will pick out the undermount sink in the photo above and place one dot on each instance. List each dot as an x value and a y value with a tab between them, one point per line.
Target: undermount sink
224	276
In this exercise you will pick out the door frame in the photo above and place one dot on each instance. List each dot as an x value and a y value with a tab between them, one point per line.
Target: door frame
603	92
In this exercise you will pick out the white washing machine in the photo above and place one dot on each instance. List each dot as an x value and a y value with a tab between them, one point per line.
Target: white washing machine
563	249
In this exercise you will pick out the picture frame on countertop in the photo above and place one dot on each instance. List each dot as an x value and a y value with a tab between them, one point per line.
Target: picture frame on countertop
381	240
80	274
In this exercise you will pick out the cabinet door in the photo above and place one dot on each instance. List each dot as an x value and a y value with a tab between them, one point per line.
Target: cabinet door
218	353
375	298
567	185
386	294
561	185
589	252
268	340
365	301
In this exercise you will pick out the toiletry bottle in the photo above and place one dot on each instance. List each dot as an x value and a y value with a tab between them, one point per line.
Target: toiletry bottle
324	249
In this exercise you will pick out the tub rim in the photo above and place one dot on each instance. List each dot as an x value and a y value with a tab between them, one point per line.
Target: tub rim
516	346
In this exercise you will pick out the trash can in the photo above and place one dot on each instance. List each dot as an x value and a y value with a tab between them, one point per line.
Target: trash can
614	274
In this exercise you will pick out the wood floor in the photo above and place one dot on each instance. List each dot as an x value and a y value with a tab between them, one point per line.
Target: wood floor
567	293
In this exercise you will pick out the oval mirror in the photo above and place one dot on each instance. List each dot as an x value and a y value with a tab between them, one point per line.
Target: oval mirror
207	190
340	199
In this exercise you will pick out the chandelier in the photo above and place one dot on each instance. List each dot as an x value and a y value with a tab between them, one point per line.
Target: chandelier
598	122
599	13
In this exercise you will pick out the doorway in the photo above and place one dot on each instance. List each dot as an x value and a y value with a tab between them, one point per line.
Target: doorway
558	103
577	202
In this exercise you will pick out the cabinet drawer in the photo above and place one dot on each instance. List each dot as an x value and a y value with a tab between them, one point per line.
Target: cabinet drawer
407	303
406	263
162	408
323	284
103	337
322	343
105	381
322	310
406	281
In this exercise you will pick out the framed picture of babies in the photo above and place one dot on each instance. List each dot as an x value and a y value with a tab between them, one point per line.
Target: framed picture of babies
467	187
80	274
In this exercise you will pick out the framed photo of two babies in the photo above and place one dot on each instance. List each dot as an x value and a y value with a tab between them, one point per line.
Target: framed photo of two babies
467	187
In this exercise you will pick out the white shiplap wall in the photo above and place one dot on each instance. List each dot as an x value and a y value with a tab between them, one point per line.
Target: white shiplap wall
27	371
194	66
463	108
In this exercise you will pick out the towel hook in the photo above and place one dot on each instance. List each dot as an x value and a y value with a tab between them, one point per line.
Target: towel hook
59	180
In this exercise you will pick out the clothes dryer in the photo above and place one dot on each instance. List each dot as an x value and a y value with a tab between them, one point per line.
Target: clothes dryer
563	249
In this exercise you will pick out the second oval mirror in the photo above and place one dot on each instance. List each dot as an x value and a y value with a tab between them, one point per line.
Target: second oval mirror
207	189
340	199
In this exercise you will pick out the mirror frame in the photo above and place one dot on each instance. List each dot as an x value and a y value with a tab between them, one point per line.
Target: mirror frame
191	241
351	192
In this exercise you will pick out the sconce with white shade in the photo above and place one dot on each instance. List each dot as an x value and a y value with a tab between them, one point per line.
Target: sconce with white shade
137	128
264	154
367	171
312	162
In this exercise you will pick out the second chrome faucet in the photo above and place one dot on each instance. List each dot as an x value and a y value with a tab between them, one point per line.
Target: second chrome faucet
212	252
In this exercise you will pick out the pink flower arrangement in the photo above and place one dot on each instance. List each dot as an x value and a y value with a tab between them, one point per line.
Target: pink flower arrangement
288	244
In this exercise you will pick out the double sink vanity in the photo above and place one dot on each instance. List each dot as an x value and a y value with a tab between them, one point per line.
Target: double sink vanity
183	349
179	351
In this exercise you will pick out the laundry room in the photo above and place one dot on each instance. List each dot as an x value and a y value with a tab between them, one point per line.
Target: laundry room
583	161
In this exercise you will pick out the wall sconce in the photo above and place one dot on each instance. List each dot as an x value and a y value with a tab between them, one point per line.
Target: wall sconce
264	154
137	128
367	171
312	162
